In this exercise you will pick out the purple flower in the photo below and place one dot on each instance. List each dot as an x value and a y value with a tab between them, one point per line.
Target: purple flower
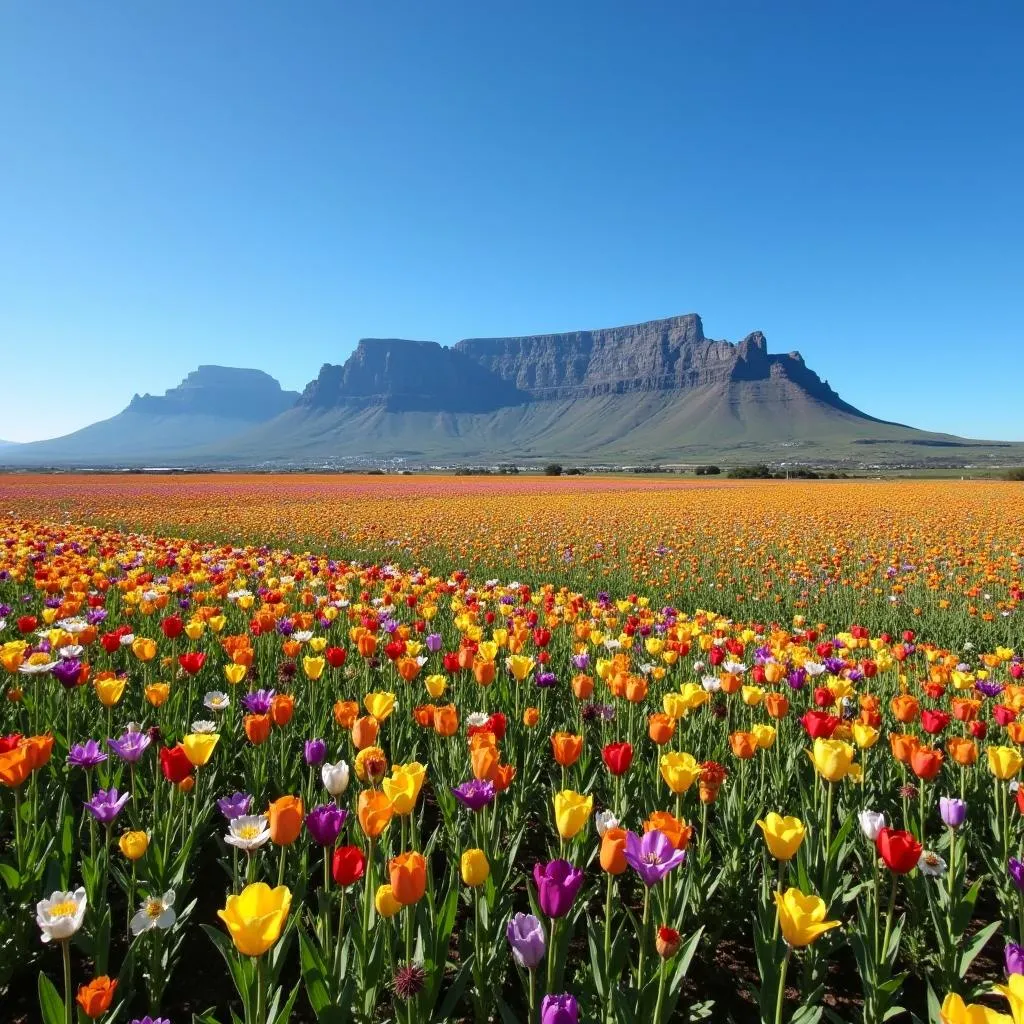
86	755
988	689
285	627
546	679
67	672
797	678
580	661
235	806
559	1009
315	751
258	702
433	642
325	822
526	937
474	794
953	811
131	746
557	883
150	1020
106	805
1016	869
1013	959
652	857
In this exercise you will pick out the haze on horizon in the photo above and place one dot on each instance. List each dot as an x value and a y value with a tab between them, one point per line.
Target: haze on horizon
261	187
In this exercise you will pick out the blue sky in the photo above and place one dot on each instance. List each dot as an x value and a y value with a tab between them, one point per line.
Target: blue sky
263	184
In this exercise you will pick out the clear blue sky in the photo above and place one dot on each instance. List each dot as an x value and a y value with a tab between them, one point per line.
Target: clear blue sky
261	184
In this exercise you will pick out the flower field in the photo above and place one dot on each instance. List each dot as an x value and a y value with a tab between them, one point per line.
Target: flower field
410	749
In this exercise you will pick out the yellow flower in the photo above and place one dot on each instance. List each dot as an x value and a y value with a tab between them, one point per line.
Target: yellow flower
194	629
865	736
831	758
234	674
385	902
134	844
782	835
403	786
1004	762
143	648
110	691
475	868
520	666
314	668
680	771
318	643
802	918
956	1011
256	916
216	622
765	735
752	695
157	693
572	811
694	695
199	746
436	685
380	705
1014	993
674	705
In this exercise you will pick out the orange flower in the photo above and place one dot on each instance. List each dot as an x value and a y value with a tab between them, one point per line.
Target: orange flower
676	829
483	671
257	728
730	682
743	744
423	714
408	875
374	812
39	749
364	732
583	686
366	645
776	704
566	748
484	756
903	746
965	709
661	728
962	750
502	777
285	815
531	716
281	708
446	720
905	708
409	669
15	766
636	689
926	762
613	851
345	713
1015	730
96	997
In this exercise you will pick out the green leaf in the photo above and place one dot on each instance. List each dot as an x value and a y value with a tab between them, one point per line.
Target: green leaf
976	945
50	1003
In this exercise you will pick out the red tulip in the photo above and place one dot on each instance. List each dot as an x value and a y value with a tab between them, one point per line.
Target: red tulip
174	763
26	623
1004	715
348	865
191	662
934	721
824	697
979	730
899	849
335	656
172	626
618	757
819	724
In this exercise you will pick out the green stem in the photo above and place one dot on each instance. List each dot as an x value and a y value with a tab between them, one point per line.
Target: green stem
69	1003
643	938
888	916
781	999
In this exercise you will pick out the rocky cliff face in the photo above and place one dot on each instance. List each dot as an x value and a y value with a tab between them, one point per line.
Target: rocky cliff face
219	391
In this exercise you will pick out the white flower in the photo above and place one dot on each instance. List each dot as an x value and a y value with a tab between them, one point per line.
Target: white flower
931	864
698	666
612	645
61	915
70	651
814	668
249	832
302	635
871	823
155	912
73	626
477	718
712	683
215	700
127	640
335	777
3	625
31	668
734	668
605	820
645	668
204	726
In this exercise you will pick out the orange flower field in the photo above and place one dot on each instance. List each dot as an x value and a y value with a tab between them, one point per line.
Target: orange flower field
523	750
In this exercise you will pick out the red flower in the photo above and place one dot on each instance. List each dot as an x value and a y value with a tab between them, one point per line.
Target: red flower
824	697
172	626
9	743
111	642
497	724
899	849
618	757
934	721
174	763
348	865
979	730
819	724
26	623
335	656
1004	715
542	637
191	662
451	661
716	655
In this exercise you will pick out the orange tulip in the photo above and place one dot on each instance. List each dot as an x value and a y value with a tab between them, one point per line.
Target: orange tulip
408	876
926	762
285	814
483	671
366	645
566	748
282	708
502	777
903	746
446	720
364	732
730	682
15	766
965	709
96	997
636	689
374	812
484	758
661	728
676	829
39	749
531	716
613	851
743	744
423	714
905	708
583	686
776	704
962	750
257	728
345	713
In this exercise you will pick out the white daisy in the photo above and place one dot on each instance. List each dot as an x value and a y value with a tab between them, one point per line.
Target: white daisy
215	700
155	912
249	832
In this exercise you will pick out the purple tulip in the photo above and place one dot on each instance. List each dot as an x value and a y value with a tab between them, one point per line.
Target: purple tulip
557	883
150	1020
1016	869
258	702
526	937
1013	959
545	680
475	794
652	857
106	805
235	806
953	811
315	751
580	661
433	642
325	822
86	755
131	746
561	1009
66	672
797	678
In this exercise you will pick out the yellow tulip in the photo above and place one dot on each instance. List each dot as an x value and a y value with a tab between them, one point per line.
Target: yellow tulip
436	685
380	705
801	917
385	902
194	629
520	666
955	1011
831	758
752	695
234	674
110	691
1004	762
143	648
403	786
865	736
134	844
317	644
783	836
674	705
680	771
1013	990
157	693
694	695
199	747
216	622
314	668
572	811
475	868
256	916
765	735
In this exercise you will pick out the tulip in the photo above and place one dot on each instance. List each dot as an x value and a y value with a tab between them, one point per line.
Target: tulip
324	823
871	823
802	917
613	851
285	816
566	748
374	812
559	1009
831	759
385	902
174	764
653	856
133	845
379	705
348	865
678	832
557	883
408	875
96	997
335	777
679	771
572	811
313	667
526	937
899	849
667	942
314	751
1004	762
953	811
783	836
955	1011
475	868
199	747
1013	959
256	917
403	787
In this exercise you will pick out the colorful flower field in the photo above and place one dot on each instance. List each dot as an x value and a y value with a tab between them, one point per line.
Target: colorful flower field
728	752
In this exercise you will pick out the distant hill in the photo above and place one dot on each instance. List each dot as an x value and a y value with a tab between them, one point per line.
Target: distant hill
653	392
